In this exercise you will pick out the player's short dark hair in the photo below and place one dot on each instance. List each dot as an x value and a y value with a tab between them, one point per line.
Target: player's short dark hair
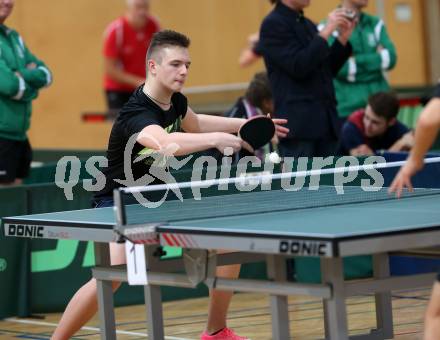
273	1
384	104
167	38
258	90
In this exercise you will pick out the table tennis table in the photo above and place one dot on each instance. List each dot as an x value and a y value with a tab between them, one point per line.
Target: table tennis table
268	226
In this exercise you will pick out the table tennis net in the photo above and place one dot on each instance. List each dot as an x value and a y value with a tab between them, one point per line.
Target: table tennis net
261	202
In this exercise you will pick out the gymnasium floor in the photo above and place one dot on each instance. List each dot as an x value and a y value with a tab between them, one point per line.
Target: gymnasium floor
249	315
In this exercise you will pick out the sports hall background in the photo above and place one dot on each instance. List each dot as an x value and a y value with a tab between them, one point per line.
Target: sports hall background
67	35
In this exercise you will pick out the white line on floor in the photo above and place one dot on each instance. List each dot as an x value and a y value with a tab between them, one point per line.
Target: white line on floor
94	329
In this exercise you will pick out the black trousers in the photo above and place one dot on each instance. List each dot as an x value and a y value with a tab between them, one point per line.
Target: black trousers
15	159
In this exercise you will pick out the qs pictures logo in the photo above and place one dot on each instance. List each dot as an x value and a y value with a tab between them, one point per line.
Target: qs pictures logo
3	264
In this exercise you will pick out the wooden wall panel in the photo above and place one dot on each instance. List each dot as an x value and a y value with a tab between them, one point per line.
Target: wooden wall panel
67	35
409	38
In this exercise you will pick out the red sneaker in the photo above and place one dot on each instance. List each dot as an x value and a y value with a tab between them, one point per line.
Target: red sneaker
224	334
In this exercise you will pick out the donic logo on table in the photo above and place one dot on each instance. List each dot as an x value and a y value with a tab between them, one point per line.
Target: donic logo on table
20	230
204	168
303	248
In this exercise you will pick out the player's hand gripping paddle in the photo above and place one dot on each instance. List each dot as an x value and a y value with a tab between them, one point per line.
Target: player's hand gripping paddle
257	131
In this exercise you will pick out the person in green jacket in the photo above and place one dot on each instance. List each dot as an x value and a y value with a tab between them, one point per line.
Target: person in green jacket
21	77
373	54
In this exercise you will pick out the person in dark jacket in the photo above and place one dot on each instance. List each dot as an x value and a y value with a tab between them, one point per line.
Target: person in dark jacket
301	66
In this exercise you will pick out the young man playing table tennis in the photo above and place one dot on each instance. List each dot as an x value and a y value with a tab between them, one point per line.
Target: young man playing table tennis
154	112
427	129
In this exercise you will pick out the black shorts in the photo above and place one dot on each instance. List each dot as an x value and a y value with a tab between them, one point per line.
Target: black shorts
15	159
116	99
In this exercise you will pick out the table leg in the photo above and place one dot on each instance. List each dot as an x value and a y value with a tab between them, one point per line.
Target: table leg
335	309
384	309
105	294
153	303
153	300
276	270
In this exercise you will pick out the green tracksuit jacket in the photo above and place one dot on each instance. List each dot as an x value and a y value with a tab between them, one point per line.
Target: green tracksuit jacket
19	84
364	72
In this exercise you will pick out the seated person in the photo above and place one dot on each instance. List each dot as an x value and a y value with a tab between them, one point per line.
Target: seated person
375	128
256	101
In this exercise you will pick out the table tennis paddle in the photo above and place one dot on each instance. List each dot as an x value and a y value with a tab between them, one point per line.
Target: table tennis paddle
257	131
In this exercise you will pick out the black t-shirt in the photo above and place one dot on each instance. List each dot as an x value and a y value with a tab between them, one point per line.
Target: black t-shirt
139	112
